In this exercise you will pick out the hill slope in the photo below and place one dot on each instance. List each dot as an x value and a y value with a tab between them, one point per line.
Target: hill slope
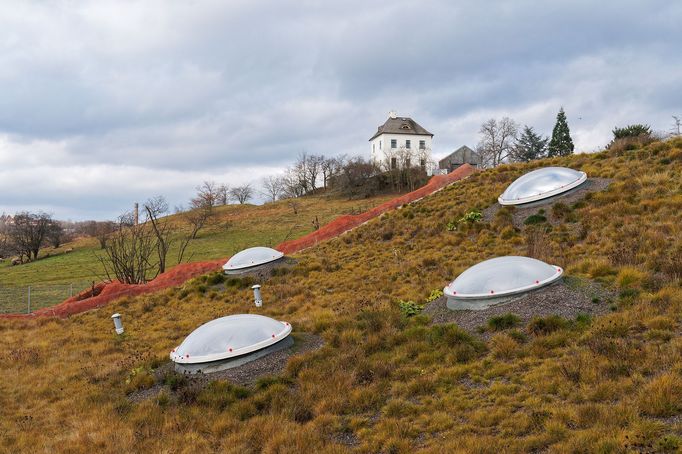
233	228
382	381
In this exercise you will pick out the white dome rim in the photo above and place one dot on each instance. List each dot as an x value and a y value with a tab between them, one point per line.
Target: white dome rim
275	338
228	267
543	195
558	273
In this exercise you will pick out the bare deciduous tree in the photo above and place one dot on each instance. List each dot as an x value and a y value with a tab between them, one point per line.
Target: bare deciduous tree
155	208
55	234
677	122
102	231
291	184
223	194
312	170
330	168
27	233
208	193
497	141
242	193
272	187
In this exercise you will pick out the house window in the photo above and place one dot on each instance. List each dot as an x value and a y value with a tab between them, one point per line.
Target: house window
373	147
422	163
407	163
380	145
422	144
394	143
394	163
408	144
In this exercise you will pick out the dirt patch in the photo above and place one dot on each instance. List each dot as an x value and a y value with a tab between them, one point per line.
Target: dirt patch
520	214
244	375
567	298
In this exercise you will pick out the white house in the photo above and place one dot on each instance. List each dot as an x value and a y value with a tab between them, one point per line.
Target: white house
401	142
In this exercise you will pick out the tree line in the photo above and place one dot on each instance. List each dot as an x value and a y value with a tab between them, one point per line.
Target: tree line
505	141
24	234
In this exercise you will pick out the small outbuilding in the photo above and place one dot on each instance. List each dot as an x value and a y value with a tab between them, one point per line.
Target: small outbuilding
459	157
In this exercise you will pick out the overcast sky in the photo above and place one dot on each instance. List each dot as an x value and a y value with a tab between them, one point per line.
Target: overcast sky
105	103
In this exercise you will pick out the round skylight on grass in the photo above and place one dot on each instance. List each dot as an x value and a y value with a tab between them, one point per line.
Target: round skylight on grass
250	258
499	277
541	184
230	337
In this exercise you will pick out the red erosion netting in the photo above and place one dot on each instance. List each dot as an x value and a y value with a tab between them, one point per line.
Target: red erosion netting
345	223
179	274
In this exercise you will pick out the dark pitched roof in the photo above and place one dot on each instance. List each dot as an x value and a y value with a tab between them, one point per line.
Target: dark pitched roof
401	125
461	155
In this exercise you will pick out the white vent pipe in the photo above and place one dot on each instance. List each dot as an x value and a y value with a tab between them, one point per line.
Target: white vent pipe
258	299
117	323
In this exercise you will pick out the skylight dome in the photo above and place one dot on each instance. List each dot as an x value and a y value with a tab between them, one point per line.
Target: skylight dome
541	184
229	337
250	258
499	277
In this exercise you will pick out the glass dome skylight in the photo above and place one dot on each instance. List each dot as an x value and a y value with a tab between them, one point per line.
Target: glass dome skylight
501	276
230	337
251	257
541	184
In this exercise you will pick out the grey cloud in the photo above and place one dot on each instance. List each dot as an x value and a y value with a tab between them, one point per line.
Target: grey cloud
161	95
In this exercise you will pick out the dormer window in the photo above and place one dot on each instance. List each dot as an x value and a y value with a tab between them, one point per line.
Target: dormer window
404	126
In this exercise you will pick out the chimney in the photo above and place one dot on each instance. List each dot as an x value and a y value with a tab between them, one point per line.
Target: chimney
392	114
136	213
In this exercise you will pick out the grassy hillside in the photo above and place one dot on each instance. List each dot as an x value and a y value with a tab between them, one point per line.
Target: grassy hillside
383	382
235	227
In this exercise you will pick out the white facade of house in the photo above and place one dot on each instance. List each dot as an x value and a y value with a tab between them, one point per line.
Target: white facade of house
382	145
395	147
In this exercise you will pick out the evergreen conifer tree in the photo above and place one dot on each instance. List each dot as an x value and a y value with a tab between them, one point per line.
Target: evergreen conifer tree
561	143
530	145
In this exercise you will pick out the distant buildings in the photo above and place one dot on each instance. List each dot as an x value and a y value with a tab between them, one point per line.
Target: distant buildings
462	155
400	143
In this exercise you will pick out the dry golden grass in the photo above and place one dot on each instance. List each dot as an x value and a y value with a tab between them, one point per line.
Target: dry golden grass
382	382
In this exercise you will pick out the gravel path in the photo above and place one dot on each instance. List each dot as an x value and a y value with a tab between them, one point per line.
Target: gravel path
521	213
567	299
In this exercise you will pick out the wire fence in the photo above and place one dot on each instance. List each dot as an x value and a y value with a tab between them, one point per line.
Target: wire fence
28	298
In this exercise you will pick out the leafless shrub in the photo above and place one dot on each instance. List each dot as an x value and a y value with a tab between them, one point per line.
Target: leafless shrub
129	251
